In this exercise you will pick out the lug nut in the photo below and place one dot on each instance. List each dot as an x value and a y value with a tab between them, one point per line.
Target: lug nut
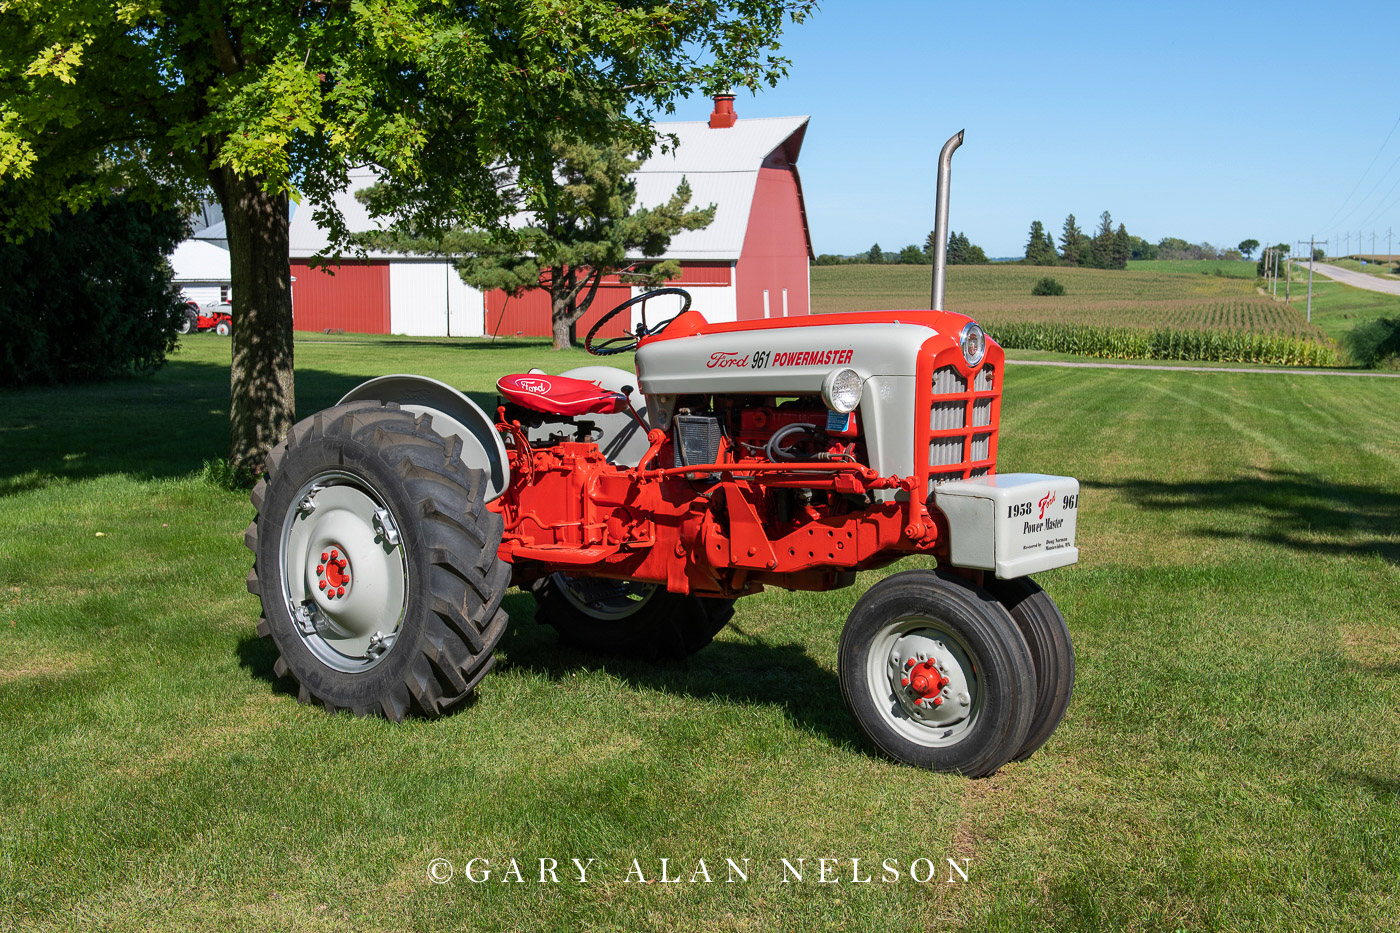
324	556
321	584
904	682
340	591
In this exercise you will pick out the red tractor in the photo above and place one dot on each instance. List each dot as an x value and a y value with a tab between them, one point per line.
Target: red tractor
639	507
213	315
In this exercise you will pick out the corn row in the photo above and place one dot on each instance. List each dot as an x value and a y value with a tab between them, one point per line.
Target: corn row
1131	343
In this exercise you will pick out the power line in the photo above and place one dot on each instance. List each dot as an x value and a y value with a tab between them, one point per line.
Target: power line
1363	174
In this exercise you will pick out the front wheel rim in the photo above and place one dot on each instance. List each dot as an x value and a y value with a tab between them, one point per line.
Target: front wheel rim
344	573
924	680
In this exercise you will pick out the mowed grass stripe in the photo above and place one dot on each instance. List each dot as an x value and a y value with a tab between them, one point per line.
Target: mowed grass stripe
1233	728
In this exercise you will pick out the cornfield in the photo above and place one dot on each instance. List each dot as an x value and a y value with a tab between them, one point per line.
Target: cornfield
1137	314
1137	343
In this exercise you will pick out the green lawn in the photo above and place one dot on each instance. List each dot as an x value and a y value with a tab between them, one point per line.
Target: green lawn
1229	761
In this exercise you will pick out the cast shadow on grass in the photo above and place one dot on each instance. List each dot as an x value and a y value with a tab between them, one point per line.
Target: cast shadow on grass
752	673
1298	511
166	425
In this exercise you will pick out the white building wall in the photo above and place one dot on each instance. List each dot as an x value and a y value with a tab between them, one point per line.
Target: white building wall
200	294
420	296
718	303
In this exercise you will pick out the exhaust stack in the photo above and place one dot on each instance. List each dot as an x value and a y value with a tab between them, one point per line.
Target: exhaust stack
940	221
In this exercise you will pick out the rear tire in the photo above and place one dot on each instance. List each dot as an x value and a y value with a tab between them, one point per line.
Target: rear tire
936	673
1052	652
189	323
417	617
629	619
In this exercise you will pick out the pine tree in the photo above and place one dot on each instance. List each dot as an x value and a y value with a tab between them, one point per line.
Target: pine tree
876	254
1122	248
1101	248
1040	249
587	227
1071	242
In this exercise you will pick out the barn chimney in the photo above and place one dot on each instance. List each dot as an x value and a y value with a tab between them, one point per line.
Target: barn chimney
724	115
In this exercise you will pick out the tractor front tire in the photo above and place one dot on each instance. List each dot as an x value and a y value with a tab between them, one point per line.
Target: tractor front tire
629	619
1052	653
937	674
377	564
223	328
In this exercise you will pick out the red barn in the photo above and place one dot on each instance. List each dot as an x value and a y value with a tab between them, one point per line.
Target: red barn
750	263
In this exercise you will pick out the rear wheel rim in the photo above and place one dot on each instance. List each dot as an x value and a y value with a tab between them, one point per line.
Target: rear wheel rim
952	678
605	600
344	573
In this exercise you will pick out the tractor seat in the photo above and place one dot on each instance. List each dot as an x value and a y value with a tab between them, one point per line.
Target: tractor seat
560	395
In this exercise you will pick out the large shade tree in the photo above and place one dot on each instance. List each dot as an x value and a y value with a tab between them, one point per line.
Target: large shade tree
263	102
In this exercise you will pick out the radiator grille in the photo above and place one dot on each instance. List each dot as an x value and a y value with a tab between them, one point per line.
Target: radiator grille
948	416
957	448
947	381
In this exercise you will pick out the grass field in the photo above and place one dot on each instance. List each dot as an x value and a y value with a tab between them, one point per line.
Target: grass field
1229	761
1235	269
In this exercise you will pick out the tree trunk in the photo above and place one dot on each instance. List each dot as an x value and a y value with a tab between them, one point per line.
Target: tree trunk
562	317
262	405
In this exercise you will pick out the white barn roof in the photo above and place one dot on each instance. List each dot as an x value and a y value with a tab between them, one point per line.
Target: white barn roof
721	165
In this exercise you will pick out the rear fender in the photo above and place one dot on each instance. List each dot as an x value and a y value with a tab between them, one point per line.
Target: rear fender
453	414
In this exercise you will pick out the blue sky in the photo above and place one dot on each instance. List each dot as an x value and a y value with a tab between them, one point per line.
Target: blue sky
1204	121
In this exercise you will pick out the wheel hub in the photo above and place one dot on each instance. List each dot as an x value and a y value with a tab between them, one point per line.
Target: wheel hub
925	681
334	570
930	680
346	585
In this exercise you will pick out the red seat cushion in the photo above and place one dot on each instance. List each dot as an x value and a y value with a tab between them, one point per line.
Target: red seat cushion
560	395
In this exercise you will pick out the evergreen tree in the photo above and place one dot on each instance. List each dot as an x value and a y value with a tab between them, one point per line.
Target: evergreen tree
962	252
584	228
1122	248
1101	247
1050	253
1040	249
875	254
1072	242
957	248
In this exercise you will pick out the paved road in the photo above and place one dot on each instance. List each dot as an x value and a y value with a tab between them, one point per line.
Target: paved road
1359	279
1202	369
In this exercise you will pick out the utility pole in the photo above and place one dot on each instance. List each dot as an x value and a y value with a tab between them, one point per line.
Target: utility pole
1348	247
1313	244
1287	279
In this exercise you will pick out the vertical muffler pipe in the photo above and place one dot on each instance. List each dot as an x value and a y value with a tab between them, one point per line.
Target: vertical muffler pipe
940	220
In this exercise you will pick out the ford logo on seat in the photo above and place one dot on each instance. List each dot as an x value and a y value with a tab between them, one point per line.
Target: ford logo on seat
537	386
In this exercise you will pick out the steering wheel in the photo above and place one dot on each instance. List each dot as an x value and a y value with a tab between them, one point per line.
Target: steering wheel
609	347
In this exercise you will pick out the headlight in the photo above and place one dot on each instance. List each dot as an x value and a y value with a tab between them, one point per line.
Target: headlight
973	342
841	390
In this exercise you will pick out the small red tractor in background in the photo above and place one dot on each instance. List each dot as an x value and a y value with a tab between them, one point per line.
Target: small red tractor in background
212	315
638	507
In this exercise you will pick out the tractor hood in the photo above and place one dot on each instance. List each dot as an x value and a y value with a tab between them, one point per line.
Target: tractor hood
791	355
